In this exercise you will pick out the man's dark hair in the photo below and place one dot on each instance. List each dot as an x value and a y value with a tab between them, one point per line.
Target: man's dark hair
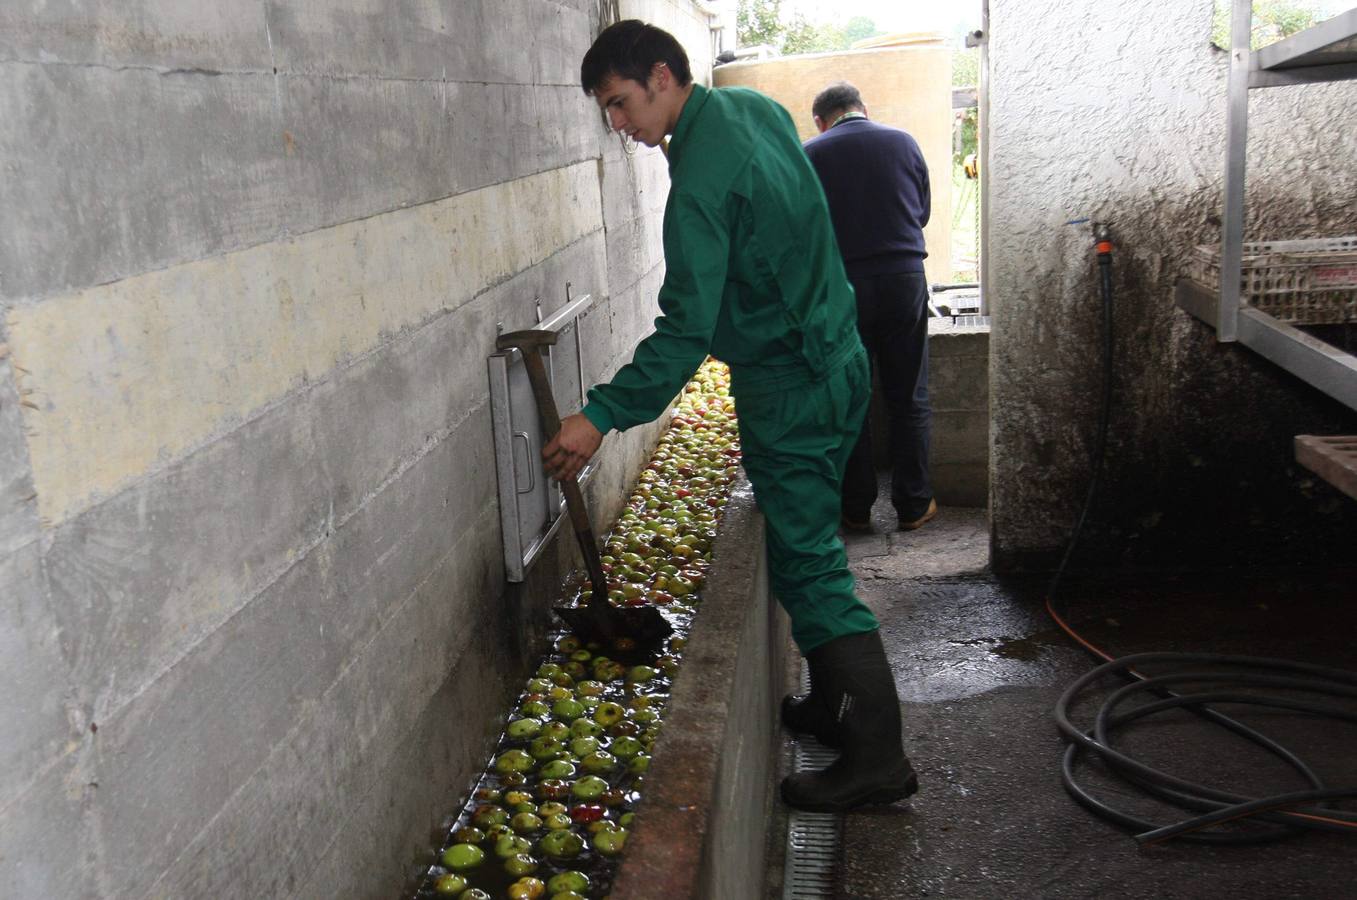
838	97
630	49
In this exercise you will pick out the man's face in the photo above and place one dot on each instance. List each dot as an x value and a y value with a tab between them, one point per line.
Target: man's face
640	111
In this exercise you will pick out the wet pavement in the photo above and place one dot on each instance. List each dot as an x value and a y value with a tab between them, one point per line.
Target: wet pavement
979	666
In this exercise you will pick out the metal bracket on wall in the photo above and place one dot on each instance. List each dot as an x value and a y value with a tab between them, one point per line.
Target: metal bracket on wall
531	504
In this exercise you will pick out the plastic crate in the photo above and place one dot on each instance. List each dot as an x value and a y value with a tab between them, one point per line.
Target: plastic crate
1311	282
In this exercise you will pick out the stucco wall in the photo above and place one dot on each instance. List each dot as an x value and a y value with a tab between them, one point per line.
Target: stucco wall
1116	112
254	629
907	87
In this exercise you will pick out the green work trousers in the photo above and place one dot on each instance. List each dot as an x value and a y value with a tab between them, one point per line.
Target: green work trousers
796	440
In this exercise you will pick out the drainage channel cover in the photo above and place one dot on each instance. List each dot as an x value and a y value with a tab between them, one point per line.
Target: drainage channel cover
812	838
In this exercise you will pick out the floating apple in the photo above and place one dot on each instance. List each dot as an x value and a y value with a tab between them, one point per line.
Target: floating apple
582	727
526	823
511	845
468	834
561	844
520	864
599	762
589	787
450	884
462	857
610	841
557	768
526	889
489	814
609	713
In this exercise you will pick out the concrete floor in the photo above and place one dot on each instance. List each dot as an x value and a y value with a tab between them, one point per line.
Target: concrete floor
979	667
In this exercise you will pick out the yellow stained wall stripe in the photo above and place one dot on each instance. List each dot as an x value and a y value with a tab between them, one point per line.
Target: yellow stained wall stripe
126	376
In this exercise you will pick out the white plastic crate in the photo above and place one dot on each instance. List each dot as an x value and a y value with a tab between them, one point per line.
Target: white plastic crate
1310	282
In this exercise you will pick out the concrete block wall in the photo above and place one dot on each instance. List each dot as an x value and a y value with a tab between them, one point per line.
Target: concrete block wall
1118	113
958	390
254	628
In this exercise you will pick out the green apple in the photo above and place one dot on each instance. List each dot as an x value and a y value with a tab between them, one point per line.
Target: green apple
488	815
450	885
639	764
536	709
511	845
522	729
556	768
640	674
609	713
625	747
526	889
610	841
468	834
513	761
582	747
462	857
520	864
589	787
543	747
569	881
586	727
557	821
556	730
567	709
598	762
526	823
561	844
550	808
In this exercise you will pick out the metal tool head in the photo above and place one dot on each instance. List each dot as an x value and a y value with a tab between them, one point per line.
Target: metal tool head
623	631
528	339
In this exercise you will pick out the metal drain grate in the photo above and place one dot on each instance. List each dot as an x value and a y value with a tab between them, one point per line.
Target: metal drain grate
812	838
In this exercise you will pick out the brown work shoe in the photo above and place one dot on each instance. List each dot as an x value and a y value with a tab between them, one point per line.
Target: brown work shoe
855	526
928	514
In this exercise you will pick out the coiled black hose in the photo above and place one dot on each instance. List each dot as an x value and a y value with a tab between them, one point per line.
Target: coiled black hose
1202	679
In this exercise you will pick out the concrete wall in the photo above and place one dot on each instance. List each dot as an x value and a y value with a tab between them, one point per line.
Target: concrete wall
254	630
703	830
907	87
958	389
1117	113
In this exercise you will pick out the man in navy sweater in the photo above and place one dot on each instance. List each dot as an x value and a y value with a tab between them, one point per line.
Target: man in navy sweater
876	183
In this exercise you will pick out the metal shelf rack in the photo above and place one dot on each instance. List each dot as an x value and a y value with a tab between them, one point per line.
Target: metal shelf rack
1323	53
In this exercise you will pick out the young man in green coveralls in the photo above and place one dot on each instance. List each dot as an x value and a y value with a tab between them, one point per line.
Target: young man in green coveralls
754	278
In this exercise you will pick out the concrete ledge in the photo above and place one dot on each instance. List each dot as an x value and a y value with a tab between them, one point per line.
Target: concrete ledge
701	830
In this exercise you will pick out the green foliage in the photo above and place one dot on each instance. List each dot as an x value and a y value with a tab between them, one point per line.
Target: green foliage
759	22
966	67
858	28
765	22
965	134
1272	21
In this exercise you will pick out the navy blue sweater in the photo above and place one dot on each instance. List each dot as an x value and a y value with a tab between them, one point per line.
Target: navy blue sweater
876	182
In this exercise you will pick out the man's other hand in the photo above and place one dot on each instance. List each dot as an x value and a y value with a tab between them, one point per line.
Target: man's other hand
572	447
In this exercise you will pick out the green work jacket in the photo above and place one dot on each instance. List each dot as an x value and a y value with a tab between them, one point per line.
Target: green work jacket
753	274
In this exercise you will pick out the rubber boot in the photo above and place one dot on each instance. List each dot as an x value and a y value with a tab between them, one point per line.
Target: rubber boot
809	714
871	767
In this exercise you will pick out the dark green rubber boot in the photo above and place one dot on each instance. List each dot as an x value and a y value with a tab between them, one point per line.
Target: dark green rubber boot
860	692
809	714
